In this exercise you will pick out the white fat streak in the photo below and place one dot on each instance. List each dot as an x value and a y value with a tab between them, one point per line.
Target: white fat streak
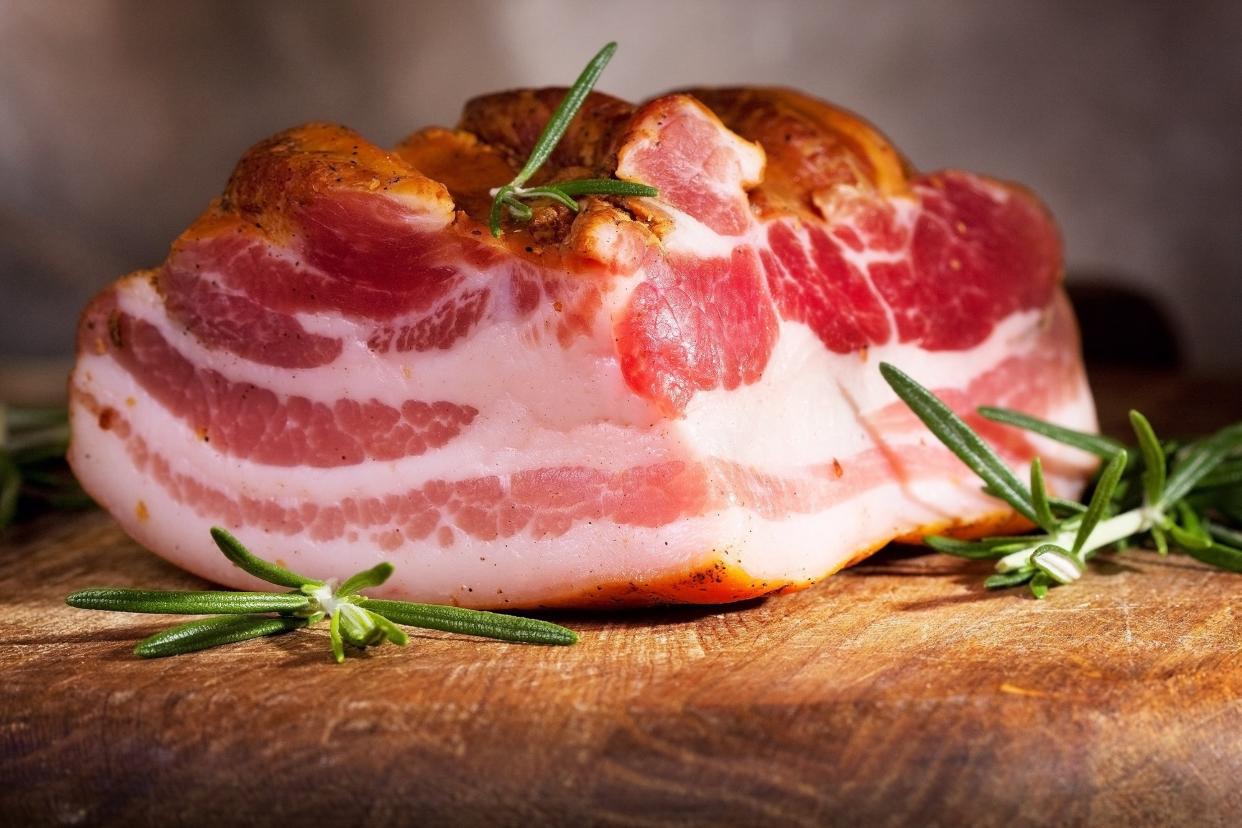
539	406
802	410
513	364
502	360
691	237
336	325
508	436
795	415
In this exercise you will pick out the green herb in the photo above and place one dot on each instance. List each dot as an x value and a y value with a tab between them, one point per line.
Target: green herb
354	619
510	196
33	472
187	603
212	632
962	441
1191	494
473	622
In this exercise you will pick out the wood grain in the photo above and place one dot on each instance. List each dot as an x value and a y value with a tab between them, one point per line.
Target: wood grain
898	692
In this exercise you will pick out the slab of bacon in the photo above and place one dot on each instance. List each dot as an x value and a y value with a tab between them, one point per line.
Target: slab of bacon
670	399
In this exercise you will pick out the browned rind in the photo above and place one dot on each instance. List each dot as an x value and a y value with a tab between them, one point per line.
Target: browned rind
716	582
304	162
510	122
461	162
721	581
1000	522
812	147
495	136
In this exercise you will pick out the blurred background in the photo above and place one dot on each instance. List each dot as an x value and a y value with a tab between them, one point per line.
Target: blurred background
120	119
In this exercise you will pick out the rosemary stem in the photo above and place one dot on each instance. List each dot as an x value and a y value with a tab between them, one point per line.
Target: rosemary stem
1111	530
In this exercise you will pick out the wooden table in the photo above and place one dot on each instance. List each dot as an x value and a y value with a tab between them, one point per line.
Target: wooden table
898	692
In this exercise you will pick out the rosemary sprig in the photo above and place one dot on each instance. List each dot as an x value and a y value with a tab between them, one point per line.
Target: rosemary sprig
33	472
354	619
1190	494
510	197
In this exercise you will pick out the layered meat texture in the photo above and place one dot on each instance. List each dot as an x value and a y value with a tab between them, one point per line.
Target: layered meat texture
671	399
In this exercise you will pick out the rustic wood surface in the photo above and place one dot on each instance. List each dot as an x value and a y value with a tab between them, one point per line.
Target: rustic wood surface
898	692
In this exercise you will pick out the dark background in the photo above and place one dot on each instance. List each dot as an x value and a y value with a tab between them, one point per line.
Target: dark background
119	119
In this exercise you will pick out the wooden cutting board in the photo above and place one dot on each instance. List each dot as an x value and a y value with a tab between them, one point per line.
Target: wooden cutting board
898	692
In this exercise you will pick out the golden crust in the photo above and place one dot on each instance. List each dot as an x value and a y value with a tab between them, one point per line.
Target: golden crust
510	122
812	147
294	166
464	164
721	581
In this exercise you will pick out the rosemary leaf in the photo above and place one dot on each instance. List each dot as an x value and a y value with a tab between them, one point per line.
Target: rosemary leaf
1219	555
518	210
1101	498
1187	540
555	128
1153	476
1039	497
1224	534
961	440
22	418
602	186
1056	563
498	206
1096	444
357	628
472	622
1191	531
186	603
256	566
553	192
1228	473
211	632
1002	580
334	636
1069	507
973	550
26	453
394	633
366	579
1187	531
1162	542
1199	460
